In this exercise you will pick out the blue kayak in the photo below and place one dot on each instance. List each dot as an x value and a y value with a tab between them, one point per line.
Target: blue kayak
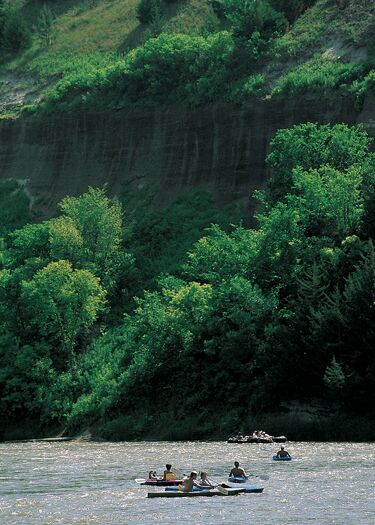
284	458
233	479
247	490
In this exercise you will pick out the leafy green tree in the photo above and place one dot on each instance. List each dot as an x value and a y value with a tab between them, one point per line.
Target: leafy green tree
94	225
311	146
330	200
45	26
16	33
63	303
248	16
292	9
149	10
220	255
334	377
2	19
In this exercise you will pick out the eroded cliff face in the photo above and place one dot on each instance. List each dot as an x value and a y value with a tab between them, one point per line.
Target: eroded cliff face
222	148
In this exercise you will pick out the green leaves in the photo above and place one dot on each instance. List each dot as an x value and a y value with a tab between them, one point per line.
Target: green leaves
311	146
62	303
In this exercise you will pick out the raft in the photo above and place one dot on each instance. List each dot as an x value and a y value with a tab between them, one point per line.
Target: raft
199	493
251	439
160	482
234	479
246	490
284	458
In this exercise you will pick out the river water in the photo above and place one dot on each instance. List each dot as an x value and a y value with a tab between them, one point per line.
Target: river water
93	483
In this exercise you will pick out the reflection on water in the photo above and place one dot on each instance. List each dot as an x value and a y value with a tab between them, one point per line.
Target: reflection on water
93	483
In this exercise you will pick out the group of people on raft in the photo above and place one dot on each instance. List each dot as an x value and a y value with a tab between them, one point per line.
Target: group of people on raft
189	482
257	434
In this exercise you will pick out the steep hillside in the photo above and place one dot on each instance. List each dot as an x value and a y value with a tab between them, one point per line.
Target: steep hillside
318	68
325	44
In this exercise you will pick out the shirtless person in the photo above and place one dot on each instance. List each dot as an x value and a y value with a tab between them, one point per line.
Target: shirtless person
237	471
190	482
282	453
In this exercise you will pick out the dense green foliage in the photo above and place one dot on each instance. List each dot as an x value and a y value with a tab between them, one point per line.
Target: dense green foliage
222	65
15	34
149	10
318	75
99	315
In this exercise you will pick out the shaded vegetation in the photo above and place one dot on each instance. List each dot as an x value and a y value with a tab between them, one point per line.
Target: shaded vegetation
106	322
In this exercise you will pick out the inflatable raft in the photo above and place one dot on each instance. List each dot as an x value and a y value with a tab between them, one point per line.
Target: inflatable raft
252	439
159	482
246	490
233	479
220	491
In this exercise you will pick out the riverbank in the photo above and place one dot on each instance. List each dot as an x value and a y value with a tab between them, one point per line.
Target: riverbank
340	428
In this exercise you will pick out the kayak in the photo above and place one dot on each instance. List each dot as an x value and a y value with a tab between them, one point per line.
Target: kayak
246	490
284	458
234	479
159	482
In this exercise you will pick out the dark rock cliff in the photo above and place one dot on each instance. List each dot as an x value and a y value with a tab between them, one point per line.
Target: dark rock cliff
222	148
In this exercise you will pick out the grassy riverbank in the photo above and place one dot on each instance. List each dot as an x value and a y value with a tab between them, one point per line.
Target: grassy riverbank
340	428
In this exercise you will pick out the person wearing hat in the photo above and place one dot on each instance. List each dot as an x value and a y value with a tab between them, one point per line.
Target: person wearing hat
282	453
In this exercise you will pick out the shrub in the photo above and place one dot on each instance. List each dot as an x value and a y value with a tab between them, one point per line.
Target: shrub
250	87
316	76
310	146
362	86
16	34
247	16
292	8
149	10
44	26
2	19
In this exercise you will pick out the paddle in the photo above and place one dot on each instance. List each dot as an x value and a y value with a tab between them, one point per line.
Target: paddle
140	481
263	477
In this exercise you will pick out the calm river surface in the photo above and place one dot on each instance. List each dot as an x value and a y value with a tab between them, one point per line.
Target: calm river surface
93	483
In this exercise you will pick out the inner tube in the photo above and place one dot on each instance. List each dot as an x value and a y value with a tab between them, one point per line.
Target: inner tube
234	479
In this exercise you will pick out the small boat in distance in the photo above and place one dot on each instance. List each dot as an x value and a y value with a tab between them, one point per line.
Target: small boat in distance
257	439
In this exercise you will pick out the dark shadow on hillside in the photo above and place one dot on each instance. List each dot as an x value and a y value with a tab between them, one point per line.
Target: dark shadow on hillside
143	31
32	8
133	39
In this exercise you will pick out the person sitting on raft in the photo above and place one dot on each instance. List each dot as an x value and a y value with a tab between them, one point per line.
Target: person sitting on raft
190	482
206	482
237	471
168	475
152	475
282	453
